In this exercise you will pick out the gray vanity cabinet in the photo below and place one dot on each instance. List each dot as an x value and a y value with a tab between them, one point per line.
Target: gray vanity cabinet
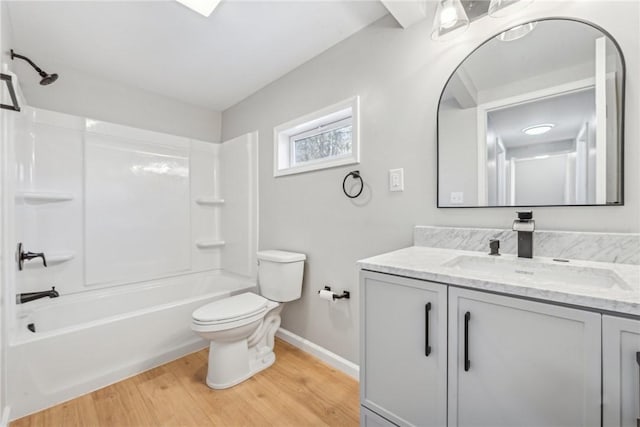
518	362
403	363
620	372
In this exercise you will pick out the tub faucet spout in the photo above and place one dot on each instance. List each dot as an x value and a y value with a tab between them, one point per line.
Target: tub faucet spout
32	296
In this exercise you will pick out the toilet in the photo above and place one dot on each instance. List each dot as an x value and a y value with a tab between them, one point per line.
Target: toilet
241	328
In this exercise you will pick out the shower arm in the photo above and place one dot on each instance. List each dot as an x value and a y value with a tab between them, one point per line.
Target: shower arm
38	69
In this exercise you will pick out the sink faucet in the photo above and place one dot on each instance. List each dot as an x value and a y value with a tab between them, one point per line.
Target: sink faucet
32	296
525	225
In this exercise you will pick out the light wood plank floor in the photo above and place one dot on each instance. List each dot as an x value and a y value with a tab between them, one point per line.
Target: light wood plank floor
298	390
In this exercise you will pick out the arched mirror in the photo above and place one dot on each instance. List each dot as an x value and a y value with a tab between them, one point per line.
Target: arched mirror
534	117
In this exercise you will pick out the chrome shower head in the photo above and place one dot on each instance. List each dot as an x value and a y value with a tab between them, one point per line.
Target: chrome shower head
47	78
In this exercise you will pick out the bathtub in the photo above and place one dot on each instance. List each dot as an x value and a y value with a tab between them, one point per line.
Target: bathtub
86	341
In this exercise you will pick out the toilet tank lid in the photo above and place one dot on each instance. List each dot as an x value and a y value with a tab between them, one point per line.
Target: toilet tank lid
280	256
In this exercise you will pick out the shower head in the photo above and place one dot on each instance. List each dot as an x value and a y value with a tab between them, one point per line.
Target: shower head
47	78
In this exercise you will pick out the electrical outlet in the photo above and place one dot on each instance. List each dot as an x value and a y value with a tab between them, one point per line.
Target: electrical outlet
457	198
396	179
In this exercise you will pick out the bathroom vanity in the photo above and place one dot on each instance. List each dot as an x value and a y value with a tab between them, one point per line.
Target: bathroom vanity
457	337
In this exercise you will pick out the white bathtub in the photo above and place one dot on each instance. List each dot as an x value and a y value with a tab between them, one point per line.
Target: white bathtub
86	341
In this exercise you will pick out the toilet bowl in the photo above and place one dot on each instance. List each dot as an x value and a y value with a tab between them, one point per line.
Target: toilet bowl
241	328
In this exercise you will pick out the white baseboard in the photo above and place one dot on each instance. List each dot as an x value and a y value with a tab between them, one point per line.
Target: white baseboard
331	359
4	421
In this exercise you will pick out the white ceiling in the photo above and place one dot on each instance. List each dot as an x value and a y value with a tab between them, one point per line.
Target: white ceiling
163	47
553	45
567	112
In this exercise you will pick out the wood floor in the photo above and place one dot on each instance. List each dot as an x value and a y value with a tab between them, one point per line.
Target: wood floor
298	390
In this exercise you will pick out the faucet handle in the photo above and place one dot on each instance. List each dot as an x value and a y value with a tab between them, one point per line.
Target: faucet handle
23	256
494	247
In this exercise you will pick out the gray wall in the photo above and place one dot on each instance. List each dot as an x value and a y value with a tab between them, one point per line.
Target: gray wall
6	36
83	95
399	75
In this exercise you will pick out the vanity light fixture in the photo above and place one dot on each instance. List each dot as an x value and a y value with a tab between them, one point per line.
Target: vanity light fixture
500	8
538	129
450	20
516	33
203	7
453	17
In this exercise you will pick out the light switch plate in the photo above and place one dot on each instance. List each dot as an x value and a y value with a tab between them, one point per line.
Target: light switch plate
457	197
396	179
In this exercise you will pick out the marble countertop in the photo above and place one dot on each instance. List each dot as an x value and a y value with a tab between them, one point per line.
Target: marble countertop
440	265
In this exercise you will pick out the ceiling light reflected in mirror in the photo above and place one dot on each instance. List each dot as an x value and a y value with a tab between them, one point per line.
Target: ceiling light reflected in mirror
516	33
538	129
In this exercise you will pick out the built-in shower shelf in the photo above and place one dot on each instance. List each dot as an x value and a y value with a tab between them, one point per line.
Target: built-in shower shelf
209	201
53	259
43	196
208	244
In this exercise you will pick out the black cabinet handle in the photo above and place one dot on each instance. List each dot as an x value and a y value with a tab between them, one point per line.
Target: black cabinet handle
638	360
427	347
467	362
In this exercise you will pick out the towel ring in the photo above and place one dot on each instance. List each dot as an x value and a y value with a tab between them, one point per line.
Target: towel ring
354	175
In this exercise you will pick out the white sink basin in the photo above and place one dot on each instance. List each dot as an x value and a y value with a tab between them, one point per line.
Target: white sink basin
542	272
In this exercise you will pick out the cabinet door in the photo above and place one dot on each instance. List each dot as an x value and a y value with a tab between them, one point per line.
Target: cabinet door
527	363
371	419
621	372
400	378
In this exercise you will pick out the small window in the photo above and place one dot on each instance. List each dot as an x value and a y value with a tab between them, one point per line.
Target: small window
320	140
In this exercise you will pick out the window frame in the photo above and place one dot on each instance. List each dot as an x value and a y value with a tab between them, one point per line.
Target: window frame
326	119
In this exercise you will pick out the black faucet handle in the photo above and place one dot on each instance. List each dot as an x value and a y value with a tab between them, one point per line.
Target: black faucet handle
33	255
22	256
494	247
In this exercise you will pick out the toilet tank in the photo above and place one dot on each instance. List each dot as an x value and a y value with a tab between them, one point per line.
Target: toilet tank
280	275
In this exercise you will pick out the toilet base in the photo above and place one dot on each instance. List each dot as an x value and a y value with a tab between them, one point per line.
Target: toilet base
234	375
231	363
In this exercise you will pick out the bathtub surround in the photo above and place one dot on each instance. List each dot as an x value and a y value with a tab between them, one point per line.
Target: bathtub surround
622	248
92	196
399	75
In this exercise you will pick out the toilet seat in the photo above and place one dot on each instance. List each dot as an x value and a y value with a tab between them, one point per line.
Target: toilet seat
246	306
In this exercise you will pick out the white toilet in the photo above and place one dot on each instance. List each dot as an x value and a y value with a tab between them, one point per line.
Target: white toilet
241	328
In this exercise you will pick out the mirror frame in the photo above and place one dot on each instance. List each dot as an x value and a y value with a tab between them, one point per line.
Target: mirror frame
622	115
